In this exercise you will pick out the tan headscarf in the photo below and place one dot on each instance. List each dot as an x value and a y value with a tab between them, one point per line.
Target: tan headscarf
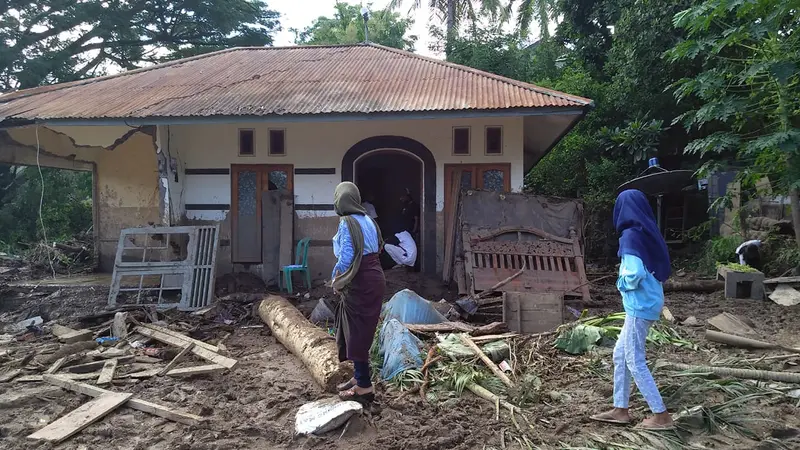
346	202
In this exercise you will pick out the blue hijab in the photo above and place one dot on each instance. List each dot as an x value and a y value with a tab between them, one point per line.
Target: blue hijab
639	235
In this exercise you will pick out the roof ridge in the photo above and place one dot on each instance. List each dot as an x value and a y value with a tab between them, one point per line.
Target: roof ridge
58	86
511	81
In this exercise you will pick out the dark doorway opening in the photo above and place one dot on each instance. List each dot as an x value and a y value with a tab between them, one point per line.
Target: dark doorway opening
382	177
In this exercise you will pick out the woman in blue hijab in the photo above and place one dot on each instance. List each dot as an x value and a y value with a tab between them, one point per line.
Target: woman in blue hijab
644	266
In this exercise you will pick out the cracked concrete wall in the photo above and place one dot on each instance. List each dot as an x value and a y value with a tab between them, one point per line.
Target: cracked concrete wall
123	159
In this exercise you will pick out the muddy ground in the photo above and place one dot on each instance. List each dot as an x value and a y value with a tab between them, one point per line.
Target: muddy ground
254	405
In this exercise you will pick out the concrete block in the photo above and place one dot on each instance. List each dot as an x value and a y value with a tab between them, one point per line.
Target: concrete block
742	284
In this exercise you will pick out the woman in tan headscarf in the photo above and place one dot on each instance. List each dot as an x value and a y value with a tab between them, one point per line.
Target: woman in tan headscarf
358	279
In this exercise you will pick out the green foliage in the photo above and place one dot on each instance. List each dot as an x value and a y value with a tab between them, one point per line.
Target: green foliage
637	139
66	209
747	98
60	40
721	249
493	51
347	27
736	267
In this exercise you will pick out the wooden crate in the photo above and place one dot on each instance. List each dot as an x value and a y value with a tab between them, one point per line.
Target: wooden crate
527	312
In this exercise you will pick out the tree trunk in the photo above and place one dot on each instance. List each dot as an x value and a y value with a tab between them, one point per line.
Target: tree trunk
450	32
308	342
794	203
694	286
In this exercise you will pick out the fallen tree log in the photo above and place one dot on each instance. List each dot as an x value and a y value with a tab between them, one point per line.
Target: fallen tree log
308	342
706	286
747	374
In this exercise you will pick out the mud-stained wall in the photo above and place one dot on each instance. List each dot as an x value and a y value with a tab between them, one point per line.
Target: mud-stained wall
125	172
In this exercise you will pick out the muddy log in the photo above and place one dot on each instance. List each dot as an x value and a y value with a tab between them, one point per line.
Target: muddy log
308	342
707	286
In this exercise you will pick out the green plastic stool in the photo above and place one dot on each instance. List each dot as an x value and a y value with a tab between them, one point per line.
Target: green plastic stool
300	265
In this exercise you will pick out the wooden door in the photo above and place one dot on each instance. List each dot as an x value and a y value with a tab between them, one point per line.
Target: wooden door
489	177
248	183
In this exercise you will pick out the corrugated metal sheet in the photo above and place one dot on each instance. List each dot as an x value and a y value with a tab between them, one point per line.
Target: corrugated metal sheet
284	81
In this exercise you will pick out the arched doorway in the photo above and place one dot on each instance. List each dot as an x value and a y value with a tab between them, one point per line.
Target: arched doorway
384	166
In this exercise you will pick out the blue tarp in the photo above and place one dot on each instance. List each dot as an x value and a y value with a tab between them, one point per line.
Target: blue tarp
401	350
408	307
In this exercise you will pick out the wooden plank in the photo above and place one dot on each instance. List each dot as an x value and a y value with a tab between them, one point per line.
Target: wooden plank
179	336
107	374
57	365
69	376
489	363
450	220
69	336
782	280
208	355
81	417
133	403
144	374
97	365
176	359
60	330
443	327
532	312
197	370
9	375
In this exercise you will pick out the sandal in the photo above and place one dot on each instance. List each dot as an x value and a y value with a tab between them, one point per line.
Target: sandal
642	426
364	399
606	418
346	386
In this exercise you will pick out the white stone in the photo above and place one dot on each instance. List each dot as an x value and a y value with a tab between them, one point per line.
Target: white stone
324	415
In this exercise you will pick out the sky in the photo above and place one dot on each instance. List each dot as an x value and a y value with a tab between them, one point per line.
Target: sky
301	13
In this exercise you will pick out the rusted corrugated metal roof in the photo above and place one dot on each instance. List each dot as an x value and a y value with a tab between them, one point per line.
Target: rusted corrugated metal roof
355	79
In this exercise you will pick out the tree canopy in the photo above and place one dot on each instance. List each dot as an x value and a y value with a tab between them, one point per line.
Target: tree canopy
53	41
347	27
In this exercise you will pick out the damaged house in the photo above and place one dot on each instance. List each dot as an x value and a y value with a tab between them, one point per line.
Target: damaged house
256	139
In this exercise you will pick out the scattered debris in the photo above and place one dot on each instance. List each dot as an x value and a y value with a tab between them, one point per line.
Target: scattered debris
24	325
489	363
133	403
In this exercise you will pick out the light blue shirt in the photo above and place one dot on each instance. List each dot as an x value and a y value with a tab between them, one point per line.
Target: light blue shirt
642	294
343	243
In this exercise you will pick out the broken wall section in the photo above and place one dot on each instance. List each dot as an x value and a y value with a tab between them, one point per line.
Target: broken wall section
123	162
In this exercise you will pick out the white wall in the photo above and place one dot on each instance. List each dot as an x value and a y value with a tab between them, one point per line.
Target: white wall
323	145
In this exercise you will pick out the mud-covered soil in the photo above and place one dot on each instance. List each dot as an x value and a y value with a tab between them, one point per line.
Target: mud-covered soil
254	405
